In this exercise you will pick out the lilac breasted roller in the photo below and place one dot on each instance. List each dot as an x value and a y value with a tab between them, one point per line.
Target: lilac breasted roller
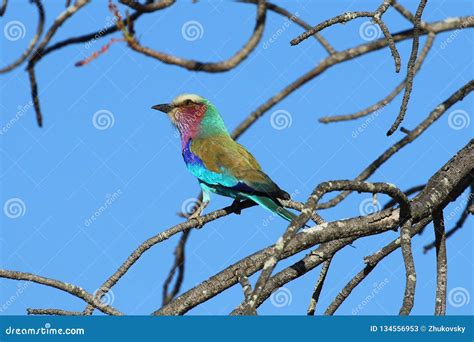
220	164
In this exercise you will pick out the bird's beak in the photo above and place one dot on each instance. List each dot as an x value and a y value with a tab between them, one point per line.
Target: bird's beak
165	107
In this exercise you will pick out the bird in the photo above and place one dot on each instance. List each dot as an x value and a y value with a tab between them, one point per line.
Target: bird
220	164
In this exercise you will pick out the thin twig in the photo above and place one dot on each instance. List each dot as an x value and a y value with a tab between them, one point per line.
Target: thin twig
447	183
297	20
3	7
149	7
37	54
410	137
66	287
408	15
165	235
305	214
441	263
410	274
459	224
385	101
371	262
410	191
318	287
410	68
178	265
32	44
52	312
349	16
342	56
211	67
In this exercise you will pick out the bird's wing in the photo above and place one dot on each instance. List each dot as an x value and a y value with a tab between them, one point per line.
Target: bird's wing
228	160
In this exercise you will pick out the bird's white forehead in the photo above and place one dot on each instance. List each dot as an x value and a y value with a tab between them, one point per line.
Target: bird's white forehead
183	97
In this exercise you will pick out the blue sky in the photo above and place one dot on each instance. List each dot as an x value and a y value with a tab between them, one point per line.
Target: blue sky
64	172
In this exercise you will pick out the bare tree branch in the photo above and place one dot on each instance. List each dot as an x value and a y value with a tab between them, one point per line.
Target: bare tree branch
53	312
410	68
385	101
206	66
69	288
371	262
149	7
32	44
410	137
441	263
296	20
459	224
342	56
346	17
318	287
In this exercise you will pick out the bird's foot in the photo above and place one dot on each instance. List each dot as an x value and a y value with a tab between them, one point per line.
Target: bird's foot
197	215
236	207
199	219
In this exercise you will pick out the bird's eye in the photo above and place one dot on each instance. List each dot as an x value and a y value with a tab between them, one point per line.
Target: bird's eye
188	102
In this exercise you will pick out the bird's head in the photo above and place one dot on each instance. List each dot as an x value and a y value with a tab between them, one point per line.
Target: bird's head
193	115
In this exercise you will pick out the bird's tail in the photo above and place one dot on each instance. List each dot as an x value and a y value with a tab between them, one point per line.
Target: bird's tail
273	207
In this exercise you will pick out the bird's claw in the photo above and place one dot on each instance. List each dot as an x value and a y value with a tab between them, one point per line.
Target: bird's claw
236	207
197	216
200	221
